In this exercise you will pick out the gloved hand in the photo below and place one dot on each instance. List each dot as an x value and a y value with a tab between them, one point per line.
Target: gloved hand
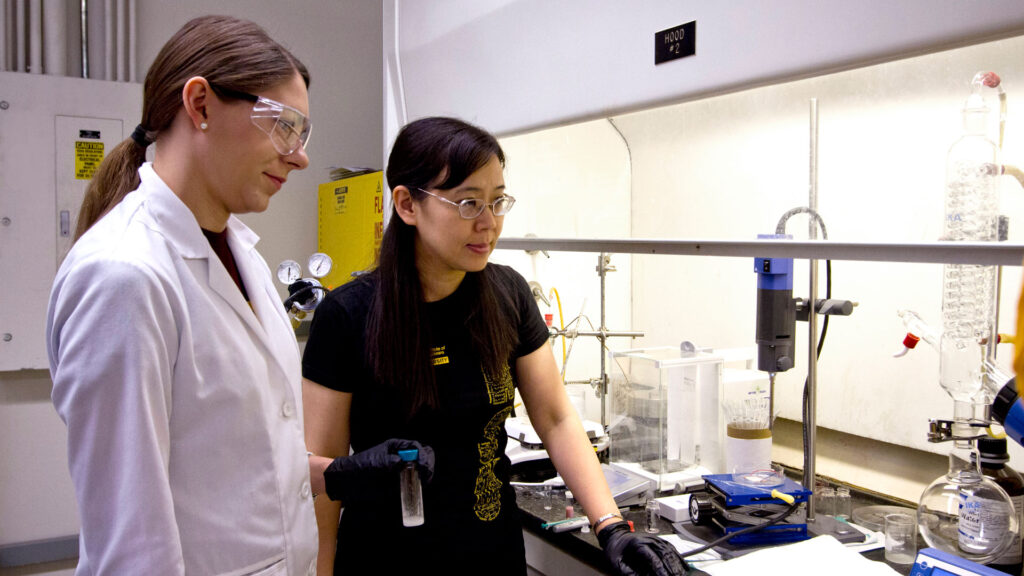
634	554
363	473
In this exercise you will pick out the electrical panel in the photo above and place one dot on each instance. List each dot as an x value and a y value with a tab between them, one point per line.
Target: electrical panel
54	131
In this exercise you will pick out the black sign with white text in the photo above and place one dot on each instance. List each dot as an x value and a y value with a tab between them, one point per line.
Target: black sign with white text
674	43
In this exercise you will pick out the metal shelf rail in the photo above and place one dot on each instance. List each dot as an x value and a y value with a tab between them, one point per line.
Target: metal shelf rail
982	253
978	253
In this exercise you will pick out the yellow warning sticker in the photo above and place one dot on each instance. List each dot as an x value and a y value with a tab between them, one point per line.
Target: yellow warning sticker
88	156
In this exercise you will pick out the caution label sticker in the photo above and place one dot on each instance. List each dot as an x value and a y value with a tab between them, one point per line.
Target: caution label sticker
88	156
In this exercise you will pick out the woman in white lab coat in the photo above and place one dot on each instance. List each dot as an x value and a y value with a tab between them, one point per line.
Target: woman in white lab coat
429	347
174	365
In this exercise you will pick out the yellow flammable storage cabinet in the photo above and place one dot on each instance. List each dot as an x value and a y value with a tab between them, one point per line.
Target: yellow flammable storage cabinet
351	225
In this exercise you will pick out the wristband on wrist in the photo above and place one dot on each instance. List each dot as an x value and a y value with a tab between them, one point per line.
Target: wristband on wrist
605	517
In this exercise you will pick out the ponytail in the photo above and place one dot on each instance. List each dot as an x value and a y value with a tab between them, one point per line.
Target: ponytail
227	51
117	175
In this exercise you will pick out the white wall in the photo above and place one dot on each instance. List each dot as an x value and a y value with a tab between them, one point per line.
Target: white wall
340	42
728	167
573	183
34	486
519	65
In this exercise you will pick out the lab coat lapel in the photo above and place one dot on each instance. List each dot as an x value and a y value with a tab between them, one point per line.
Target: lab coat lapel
178	224
275	329
222	283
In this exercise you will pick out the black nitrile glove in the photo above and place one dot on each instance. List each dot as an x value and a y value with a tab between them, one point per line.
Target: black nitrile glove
634	554
364	473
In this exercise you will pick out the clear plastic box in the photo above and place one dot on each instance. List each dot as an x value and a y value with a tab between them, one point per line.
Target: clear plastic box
666	415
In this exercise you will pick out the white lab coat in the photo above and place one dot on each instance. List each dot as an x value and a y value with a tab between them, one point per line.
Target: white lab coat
183	404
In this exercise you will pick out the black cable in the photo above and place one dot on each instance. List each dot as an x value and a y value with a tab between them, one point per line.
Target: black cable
780	228
300	295
806	404
773	521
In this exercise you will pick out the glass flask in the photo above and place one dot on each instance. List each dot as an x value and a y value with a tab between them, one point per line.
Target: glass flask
966	514
969	291
993	460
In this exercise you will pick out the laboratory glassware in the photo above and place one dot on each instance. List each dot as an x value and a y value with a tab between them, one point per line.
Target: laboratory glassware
844	503
993	460
966	514
900	538
651	514
969	290
827	501
412	492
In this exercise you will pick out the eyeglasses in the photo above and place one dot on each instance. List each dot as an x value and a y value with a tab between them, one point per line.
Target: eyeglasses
470	208
287	128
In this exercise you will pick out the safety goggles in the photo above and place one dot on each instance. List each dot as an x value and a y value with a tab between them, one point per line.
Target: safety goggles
287	128
470	208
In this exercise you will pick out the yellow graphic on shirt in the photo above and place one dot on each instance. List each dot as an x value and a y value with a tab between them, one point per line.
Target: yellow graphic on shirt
438	355
500	391
488	487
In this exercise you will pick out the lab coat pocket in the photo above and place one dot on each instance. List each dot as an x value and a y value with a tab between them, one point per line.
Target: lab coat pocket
275	566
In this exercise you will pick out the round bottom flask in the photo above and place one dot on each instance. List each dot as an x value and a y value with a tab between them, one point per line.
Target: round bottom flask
965	513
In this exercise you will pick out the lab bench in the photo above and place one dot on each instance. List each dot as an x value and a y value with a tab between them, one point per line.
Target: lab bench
578	552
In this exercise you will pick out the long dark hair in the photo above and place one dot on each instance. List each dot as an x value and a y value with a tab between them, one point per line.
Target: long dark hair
228	52
432	153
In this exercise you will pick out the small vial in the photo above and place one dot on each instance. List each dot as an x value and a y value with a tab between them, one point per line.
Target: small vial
651	515
412	492
843	503
570	510
827	502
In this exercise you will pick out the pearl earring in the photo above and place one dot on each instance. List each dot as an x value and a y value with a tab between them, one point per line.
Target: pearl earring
203	126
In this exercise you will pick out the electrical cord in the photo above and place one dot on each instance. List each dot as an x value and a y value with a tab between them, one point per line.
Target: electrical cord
821	343
773	521
780	228
301	294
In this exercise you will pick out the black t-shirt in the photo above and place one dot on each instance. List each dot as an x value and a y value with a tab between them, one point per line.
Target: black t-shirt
471	523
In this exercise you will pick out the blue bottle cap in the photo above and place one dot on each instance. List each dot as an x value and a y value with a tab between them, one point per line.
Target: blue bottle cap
409	455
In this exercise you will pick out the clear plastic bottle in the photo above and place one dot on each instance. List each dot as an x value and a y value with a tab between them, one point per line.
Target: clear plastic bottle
412	492
968	291
993	460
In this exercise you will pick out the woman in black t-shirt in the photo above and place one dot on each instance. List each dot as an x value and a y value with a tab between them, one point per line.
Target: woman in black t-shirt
426	351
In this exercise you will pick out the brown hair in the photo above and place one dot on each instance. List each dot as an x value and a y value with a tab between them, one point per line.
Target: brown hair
228	52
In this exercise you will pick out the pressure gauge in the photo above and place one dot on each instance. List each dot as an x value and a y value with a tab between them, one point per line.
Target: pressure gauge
288	272
319	264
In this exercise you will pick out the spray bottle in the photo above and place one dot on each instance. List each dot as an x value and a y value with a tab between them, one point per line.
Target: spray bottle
412	492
